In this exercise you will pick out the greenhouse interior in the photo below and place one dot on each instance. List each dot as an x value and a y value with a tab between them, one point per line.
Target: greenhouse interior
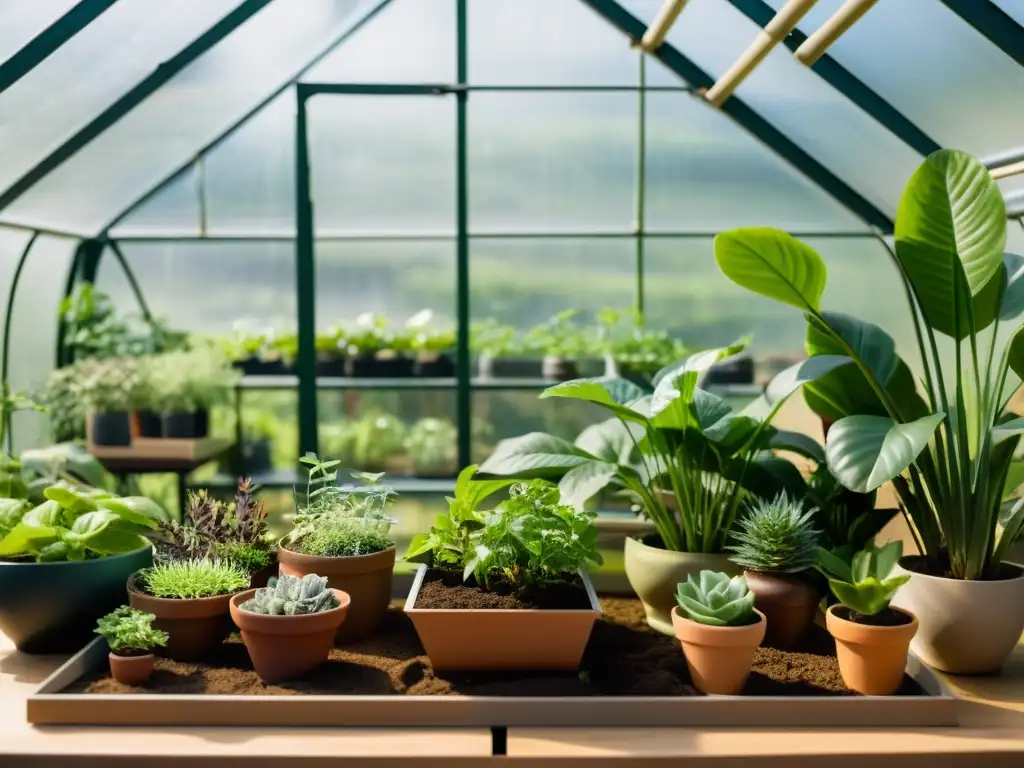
583	360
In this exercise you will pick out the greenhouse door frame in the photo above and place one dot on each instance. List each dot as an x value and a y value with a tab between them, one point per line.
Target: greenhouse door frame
305	256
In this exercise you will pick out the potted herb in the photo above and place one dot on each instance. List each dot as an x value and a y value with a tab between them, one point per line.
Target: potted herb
64	563
432	449
252	352
374	352
719	628
432	346
330	352
110	390
776	545
60	396
341	532
872	638
945	437
288	627
560	343
507	588
500	352
372	442
131	637
190	601
186	385
285	348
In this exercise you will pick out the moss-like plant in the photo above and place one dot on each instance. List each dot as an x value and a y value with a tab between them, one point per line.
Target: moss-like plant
716	599
777	535
292	596
193	579
343	537
130	632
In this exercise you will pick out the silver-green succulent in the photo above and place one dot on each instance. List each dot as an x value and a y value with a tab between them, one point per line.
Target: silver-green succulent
717	600
292	596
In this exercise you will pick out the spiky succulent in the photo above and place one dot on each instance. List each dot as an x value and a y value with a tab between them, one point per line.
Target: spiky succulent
292	596
777	535
716	600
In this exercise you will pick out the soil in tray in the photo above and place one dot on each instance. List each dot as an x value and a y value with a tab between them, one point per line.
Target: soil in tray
624	658
445	589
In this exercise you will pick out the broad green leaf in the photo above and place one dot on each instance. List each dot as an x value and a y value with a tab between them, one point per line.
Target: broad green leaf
708	408
91	524
789	381
65	458
674	394
111	541
46	515
142	512
11	513
732	433
767	475
950	236
1012	305
617	395
797	442
421	543
27	539
772	263
833	566
75	501
611	440
580	483
886	557
536	454
472	492
1008	429
1015	351
864	452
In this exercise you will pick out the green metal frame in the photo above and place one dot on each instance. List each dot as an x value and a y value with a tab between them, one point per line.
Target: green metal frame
5	353
1001	29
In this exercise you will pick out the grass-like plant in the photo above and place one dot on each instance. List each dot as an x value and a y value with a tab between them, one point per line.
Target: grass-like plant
130	632
776	535
343	537
193	579
864	585
716	599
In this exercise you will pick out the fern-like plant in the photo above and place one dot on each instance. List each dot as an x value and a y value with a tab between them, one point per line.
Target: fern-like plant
193	579
292	596
130	632
776	535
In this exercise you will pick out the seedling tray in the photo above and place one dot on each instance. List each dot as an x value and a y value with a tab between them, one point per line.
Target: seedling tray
630	676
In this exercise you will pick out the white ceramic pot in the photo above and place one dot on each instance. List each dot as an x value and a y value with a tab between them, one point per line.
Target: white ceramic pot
966	627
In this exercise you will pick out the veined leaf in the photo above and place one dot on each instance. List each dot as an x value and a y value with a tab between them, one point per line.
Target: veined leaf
797	442
789	381
580	483
864	452
536	454
611	440
617	395
674	394
27	539
772	263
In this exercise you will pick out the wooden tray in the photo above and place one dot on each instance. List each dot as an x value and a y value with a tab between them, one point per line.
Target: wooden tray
48	706
161	448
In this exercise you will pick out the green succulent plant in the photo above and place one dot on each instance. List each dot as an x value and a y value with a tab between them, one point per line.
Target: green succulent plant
776	535
193	579
293	596
130	632
716	599
864	585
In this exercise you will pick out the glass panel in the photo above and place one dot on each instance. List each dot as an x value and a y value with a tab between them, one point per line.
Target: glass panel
23	21
165	131
705	173
1013	8
1015	236
12	244
174	209
530	42
89	72
543	161
411	41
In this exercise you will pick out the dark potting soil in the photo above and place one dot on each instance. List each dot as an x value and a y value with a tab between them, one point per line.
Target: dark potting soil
890	617
624	658
939	566
445	589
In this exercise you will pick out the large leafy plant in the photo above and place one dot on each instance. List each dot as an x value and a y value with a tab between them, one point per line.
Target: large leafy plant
945	438
686	456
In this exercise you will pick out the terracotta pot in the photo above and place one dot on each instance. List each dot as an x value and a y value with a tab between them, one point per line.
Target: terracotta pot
967	627
502	639
788	602
283	647
719	658
131	670
194	627
871	659
366	579
653	574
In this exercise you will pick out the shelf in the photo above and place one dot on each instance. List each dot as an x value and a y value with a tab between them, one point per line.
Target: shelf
283	478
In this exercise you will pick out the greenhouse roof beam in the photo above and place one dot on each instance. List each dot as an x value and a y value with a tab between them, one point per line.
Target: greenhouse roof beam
748	119
848	84
41	230
139	93
993	22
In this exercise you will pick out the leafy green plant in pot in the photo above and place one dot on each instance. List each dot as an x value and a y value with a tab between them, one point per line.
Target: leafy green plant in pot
695	462
560	342
374	351
131	637
110	390
371	442
501	352
872	638
342	532
432	449
432	347
530	551
186	385
776	545
719	629
946	438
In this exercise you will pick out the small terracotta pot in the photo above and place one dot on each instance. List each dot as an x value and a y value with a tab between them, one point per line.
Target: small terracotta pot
871	659
719	658
131	670
365	578
283	647
788	602
194	627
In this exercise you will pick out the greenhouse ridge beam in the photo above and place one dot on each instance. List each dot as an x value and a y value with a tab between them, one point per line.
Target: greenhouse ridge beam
224	27
848	84
748	119
39	48
994	23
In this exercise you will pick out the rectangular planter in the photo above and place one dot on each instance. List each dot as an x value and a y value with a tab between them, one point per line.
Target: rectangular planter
498	639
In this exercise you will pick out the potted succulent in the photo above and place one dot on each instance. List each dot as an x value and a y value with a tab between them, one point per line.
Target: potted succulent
872	638
431	346
131	637
776	545
560	343
64	562
375	352
432	449
948	443
500	352
110	389
341	532
288	627
506	588
719	628
190	601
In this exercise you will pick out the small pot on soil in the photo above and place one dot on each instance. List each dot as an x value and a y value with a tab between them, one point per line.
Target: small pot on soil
283	647
559	368
131	670
719	658
365	578
654	572
194	626
111	428
789	604
503	638
967	627
190	425
150	424
872	656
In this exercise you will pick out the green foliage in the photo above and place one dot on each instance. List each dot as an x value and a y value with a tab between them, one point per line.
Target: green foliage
292	596
193	579
371	440
489	337
61	398
716	600
369	336
110	384
559	336
777	535
949	448
864	585
431	444
130	632
343	537
425	340
185	381
11	512
246	556
626	339
847	519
